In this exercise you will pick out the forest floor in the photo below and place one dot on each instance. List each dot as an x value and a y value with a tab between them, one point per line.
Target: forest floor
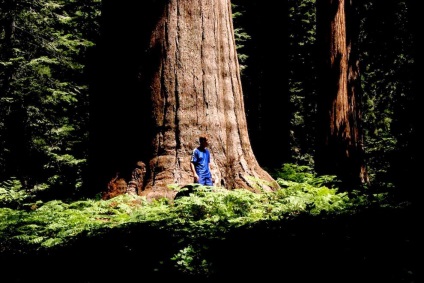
377	246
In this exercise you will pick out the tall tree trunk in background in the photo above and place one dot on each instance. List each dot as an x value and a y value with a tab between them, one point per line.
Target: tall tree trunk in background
188	84
340	147
195	88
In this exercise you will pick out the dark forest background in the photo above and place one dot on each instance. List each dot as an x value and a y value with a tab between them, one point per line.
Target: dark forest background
69	84
69	115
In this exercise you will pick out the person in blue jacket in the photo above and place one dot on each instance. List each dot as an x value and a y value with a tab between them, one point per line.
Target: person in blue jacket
200	163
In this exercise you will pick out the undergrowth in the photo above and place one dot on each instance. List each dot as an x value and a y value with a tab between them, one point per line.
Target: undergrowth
204	213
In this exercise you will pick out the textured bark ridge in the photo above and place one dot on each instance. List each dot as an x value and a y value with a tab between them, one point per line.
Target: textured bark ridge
340	150
117	186
194	85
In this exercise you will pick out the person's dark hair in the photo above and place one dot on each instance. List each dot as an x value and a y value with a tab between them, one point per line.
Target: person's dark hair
203	138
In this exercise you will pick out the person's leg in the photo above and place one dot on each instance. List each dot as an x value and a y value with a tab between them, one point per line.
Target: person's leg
201	181
205	181
208	181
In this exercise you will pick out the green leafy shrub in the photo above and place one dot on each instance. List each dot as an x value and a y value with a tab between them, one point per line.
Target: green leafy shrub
200	215
11	193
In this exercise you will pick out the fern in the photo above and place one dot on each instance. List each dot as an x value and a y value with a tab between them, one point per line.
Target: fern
12	194
206	213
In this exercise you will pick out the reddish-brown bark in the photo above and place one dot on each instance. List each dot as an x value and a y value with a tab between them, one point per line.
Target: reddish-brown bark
195	88
340	151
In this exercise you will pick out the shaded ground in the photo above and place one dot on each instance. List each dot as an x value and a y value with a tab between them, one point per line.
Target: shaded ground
374	246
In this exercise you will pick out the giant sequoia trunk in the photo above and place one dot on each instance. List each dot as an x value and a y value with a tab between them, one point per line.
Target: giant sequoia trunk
340	151
195	88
